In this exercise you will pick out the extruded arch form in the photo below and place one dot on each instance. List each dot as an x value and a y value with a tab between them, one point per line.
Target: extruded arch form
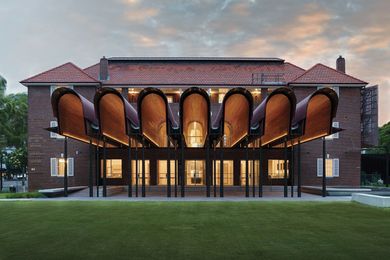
117	118
155	117
75	115
195	117
272	119
314	116
234	117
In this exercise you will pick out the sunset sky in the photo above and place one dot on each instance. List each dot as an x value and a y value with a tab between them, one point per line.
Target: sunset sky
37	35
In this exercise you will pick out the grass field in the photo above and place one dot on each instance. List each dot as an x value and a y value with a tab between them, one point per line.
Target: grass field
192	230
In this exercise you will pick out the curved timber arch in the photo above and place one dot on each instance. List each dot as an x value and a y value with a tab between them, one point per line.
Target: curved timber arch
195	107
272	119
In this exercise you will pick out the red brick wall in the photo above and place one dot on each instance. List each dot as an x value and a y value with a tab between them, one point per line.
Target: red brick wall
346	147
41	147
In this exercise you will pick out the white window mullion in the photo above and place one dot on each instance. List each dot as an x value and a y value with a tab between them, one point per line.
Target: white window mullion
70	167
53	166
319	167
336	168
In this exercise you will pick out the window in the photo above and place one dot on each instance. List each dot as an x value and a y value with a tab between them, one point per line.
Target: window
52	88
54	135
250	172
163	172
147	171
227	172
113	168
195	172
276	169
331	167
221	94
333	136
195	134
57	167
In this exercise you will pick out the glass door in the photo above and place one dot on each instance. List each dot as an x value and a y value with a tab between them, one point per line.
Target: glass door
195	172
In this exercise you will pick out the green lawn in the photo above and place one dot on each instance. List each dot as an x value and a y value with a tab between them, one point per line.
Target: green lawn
192	230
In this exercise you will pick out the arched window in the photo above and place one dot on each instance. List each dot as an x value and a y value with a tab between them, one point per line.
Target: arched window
195	134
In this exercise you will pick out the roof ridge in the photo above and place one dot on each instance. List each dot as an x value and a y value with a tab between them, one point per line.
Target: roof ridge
304	73
82	71
46	71
341	73
292	64
91	66
57	67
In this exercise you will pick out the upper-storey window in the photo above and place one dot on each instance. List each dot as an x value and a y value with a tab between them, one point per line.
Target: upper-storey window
336	135
54	87
54	135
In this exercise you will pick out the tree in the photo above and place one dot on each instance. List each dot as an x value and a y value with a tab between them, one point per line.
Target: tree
3	84
384	136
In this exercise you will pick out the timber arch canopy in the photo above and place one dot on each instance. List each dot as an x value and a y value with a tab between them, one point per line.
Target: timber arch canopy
278	118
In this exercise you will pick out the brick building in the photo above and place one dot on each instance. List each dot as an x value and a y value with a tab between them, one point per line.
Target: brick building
173	76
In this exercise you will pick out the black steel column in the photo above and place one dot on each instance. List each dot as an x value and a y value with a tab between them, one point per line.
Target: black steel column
176	168
221	170
215	171
208	165
104	168
246	169
285	168
260	171
182	170
323	167
130	168
292	170
169	171
143	167
66	167
90	179
136	170
299	168
253	179
97	170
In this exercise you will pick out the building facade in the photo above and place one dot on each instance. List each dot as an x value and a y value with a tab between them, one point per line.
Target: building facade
173	76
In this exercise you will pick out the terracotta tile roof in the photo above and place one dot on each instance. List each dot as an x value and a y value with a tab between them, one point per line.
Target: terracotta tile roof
193	73
66	73
190	71
321	74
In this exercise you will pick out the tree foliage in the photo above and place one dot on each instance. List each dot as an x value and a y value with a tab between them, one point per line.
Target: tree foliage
384	136
13	127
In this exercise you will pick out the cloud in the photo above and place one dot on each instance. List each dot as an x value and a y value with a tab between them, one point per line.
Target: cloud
303	32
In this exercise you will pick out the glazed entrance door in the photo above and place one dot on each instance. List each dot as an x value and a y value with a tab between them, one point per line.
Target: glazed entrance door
195	172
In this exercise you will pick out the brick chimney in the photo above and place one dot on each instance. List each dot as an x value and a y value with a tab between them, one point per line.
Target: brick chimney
340	64
103	69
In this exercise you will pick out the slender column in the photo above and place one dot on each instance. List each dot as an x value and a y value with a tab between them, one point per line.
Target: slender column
130	187
176	164
221	191
215	171
143	167
387	168
90	178
323	167
292	169
285	168
1	170
253	178
260	171
246	169
299	167
104	168
208	164
169	171
136	170
97	170
66	167
182	172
